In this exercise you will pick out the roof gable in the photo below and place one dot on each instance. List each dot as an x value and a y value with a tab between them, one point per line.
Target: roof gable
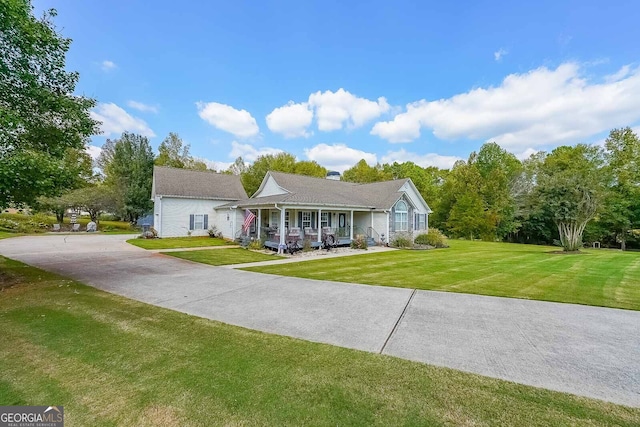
196	184
305	190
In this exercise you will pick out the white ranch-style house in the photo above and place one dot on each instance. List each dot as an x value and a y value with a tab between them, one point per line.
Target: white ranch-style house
286	206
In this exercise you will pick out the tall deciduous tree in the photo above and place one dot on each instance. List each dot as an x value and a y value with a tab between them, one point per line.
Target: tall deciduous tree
238	167
466	211
361	172
570	183
43	125
173	153
127	164
499	170
622	210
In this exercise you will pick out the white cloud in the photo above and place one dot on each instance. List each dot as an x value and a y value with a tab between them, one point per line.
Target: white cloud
93	151
335	110
142	107
497	55
249	153
541	107
332	110
623	72
424	160
108	66
115	120
524	155
338	157
224	117
291	120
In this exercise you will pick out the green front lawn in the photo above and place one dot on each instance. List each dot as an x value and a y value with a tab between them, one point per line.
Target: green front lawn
113	361
7	234
179	242
224	256
606	278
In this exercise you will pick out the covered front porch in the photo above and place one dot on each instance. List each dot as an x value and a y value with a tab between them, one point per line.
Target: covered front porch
311	226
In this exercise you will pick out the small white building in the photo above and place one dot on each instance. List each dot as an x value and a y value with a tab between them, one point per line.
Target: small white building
186	202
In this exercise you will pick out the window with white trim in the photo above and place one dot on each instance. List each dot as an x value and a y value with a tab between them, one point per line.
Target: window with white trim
198	222
324	219
421	221
275	219
306	219
401	222
286	220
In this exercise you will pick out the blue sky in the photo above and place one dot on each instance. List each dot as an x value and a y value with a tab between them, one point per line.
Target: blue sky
337	81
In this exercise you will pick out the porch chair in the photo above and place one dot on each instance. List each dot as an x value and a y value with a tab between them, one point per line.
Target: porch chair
294	232
310	233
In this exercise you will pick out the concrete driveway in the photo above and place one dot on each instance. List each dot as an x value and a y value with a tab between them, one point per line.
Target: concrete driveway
588	351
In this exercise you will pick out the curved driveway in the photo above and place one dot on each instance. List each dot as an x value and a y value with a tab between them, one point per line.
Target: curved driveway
588	351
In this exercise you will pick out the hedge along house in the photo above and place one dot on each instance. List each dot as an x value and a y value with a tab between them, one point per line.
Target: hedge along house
290	206
186	202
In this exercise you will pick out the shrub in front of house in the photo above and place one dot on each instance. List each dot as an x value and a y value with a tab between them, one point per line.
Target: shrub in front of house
151	233
360	242
306	245
433	238
213	232
402	240
255	244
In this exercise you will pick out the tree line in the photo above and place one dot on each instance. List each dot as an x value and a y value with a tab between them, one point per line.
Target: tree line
569	195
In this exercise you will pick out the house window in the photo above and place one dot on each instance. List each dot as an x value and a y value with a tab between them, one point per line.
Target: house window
286	220
306	220
421	221
401	219
198	222
275	219
324	219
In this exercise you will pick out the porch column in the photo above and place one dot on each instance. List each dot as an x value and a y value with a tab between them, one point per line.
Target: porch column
388	235
232	211
351	226
319	228
259	224
281	228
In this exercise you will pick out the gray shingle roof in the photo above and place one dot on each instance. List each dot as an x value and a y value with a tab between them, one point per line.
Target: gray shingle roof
196	184
306	190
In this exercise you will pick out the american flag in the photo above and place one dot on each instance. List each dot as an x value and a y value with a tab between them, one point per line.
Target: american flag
248	219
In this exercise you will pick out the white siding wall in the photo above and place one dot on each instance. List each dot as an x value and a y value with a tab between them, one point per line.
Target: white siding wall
175	215
270	188
157	205
361	222
380	224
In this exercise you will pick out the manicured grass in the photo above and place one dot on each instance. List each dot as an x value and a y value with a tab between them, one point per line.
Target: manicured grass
179	242
606	278
111	227
224	256
113	361
7	234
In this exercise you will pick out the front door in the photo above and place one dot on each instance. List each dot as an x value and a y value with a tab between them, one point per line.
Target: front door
342	224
